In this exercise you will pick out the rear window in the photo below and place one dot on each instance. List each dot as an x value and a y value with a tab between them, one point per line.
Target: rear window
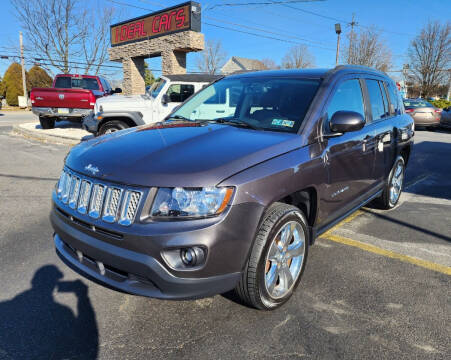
76	83
416	104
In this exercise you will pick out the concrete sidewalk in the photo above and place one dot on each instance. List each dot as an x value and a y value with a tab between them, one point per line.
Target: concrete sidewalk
65	132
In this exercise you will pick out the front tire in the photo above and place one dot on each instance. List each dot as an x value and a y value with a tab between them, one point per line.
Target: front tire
277	258
47	123
393	186
112	126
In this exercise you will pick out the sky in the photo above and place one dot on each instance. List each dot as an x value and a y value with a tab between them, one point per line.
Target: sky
278	27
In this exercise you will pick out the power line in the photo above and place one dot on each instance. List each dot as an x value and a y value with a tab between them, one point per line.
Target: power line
269	32
263	3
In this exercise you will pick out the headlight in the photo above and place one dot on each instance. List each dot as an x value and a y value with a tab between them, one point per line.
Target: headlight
183	202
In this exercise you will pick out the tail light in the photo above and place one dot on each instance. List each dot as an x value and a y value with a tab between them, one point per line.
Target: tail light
438	110
410	110
32	97
92	99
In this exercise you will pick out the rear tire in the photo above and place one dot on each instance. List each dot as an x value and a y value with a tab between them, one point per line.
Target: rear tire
112	126
47	123
277	258
393	186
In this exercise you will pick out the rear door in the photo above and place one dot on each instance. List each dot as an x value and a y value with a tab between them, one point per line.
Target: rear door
349	158
384	124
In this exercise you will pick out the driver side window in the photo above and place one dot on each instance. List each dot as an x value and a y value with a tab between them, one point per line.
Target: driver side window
347	97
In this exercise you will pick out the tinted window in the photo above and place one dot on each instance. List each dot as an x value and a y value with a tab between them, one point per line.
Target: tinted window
347	97
377	104
270	103
393	95
180	92
78	83
384	95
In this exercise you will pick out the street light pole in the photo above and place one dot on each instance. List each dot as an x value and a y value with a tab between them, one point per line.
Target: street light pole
338	32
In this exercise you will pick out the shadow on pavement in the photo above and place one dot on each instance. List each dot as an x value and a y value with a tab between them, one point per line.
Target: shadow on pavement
34	326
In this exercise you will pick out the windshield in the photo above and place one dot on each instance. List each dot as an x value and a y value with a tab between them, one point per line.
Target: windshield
65	82
416	104
156	87
278	104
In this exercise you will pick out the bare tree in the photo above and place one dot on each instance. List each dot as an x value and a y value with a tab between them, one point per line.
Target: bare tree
212	57
66	31
298	57
270	64
368	49
430	56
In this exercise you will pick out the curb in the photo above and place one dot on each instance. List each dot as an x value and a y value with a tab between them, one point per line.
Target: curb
38	135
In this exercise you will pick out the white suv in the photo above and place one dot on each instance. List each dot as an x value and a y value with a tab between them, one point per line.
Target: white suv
119	112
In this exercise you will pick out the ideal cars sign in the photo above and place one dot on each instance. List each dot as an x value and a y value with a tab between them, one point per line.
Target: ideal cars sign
182	17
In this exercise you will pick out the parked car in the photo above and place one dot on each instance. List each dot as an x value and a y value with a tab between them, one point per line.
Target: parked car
210	201
71	97
423	113
117	113
445	118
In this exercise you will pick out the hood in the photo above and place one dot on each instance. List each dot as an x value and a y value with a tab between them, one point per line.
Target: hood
189	155
131	101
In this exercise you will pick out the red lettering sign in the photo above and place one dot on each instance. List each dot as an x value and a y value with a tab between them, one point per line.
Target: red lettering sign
156	24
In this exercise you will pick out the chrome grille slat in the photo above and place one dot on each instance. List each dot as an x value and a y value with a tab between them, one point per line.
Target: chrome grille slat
129	207
85	194
95	207
97	200
74	190
111	206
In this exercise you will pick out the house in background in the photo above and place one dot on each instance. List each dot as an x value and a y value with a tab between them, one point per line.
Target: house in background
236	63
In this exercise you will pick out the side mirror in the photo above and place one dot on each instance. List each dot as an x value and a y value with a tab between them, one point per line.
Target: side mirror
165	99
117	91
346	121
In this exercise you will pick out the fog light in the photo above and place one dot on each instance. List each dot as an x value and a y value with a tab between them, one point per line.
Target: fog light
185	258
192	256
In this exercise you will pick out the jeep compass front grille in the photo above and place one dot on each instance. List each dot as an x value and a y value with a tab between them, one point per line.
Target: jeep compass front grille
97	200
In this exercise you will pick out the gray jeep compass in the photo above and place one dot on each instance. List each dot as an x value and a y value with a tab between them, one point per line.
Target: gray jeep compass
234	186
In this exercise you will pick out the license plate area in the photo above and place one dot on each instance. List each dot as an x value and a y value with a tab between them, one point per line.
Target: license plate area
63	111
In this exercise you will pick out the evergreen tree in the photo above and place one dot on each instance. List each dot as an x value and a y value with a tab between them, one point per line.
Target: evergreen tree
38	77
148	76
11	86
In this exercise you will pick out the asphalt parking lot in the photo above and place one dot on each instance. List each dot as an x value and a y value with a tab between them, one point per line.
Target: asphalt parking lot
376	286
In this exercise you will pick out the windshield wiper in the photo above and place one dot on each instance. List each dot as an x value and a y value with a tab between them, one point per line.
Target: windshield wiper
178	117
236	122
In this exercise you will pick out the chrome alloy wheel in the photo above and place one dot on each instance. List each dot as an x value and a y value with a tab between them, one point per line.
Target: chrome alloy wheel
284	259
396	182
111	130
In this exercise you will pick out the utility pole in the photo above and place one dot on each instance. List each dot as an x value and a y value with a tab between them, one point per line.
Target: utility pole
448	97
351	37
24	82
338	32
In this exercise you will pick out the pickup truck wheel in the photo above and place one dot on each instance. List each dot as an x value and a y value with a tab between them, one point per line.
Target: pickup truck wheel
112	126
277	258
47	123
393	186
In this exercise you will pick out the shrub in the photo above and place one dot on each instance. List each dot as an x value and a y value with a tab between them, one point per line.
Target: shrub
11	86
38	77
442	103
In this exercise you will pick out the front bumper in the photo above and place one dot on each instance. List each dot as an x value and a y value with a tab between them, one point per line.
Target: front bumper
90	123
133	264
53	112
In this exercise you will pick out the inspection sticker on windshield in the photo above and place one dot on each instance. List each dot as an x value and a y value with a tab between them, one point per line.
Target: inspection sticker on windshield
280	122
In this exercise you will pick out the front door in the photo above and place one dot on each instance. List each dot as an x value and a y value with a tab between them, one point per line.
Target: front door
349	158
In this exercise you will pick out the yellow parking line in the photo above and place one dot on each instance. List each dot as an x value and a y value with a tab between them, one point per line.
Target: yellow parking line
377	250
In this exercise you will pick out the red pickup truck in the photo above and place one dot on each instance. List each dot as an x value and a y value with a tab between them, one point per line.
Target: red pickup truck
71	97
